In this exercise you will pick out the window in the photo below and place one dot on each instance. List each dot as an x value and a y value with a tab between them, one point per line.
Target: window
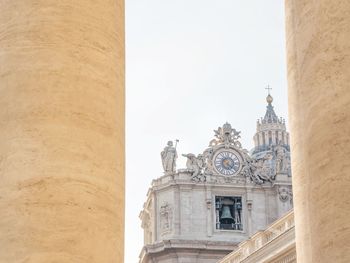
228	212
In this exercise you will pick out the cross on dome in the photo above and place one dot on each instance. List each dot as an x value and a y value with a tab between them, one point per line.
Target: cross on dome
268	89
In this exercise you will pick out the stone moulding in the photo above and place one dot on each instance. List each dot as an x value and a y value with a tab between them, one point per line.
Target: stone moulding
278	238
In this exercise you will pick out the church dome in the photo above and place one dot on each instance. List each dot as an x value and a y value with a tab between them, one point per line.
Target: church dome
269	99
271	130
270	115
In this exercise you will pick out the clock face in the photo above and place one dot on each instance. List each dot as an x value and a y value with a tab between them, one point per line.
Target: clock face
227	162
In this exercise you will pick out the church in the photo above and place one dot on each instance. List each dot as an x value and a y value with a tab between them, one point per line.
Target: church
63	136
225	197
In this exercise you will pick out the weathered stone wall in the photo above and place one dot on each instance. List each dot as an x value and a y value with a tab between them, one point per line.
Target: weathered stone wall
318	43
62	131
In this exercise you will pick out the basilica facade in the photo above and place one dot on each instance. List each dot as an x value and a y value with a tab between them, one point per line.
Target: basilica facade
224	195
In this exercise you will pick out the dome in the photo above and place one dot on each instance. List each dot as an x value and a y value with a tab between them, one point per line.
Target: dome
269	99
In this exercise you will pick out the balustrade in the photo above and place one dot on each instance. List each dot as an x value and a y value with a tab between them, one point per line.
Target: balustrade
260	239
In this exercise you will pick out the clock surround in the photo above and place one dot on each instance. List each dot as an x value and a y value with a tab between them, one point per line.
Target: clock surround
227	162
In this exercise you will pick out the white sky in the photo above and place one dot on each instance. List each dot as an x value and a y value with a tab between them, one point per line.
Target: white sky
192	65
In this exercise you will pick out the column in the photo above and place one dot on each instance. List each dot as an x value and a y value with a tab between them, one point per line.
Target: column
62	131
318	48
261	139
256	142
273	137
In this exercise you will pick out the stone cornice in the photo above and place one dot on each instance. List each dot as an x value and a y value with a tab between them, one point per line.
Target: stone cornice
181	244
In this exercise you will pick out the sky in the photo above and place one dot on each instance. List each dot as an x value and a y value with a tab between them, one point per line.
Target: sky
192	65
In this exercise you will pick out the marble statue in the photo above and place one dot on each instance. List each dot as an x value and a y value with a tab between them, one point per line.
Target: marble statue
196	165
169	156
281	159
207	156
259	169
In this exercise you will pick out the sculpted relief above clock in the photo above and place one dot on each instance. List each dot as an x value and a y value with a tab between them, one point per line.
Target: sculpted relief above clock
226	160
224	156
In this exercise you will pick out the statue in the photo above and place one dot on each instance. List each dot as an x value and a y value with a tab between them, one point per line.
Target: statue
250	170
267	172
196	165
208	166
281	159
259	169
169	156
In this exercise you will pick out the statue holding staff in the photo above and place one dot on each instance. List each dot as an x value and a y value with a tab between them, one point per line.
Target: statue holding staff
169	156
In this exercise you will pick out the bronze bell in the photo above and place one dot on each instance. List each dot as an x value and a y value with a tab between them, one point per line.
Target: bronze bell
226	214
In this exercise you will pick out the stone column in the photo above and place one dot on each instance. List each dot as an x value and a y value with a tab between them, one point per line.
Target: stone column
61	131
318	50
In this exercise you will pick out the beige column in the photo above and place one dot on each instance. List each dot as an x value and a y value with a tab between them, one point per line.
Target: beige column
318	46
61	131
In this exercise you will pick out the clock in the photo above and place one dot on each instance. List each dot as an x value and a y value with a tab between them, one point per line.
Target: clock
227	162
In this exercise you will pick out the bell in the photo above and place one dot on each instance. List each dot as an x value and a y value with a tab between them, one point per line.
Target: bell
226	215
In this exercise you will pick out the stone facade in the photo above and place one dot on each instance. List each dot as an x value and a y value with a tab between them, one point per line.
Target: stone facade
225	195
